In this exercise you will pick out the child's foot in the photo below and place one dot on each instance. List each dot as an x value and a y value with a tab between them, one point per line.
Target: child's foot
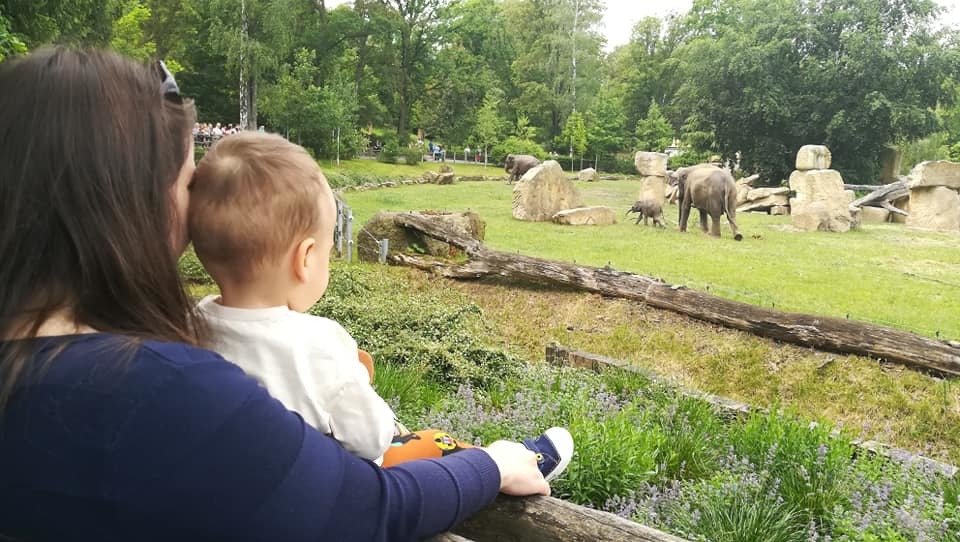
554	448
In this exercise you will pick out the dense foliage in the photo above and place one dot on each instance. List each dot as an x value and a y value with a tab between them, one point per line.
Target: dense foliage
753	79
644	450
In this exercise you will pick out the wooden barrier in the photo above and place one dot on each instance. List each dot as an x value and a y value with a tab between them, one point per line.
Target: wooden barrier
546	519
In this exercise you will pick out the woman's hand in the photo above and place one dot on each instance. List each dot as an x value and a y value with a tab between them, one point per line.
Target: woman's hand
519	474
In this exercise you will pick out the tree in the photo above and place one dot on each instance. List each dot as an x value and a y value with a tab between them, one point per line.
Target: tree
489	125
768	76
654	133
552	38
129	37
10	44
575	133
36	23
415	32
604	119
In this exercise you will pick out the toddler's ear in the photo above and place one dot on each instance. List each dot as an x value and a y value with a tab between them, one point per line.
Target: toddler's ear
301	255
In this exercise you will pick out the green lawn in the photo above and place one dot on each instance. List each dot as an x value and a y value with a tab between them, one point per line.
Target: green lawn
374	168
885	274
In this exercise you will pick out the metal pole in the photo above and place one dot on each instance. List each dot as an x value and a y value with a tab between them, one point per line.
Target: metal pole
349	234
384	245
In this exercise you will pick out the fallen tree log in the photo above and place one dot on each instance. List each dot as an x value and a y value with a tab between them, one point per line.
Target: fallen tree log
820	332
547	519
884	195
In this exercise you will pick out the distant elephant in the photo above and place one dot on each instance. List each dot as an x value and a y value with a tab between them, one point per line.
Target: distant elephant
518	164
647	209
712	191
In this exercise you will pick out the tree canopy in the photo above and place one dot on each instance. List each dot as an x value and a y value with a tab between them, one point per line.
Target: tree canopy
750	80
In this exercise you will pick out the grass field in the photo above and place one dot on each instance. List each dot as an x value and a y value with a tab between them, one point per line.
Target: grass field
394	171
885	274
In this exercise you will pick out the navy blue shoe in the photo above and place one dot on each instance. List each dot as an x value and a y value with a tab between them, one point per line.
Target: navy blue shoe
554	449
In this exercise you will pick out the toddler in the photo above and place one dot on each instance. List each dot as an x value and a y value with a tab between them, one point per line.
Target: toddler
261	220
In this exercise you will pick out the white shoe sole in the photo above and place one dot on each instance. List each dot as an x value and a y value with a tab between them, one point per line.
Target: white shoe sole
563	441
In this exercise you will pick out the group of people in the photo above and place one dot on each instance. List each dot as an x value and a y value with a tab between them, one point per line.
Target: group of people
206	134
127	411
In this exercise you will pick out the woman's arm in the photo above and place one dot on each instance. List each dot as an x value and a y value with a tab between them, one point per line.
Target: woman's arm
214	453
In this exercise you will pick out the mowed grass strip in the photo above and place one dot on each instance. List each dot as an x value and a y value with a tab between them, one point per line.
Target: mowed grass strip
369	167
884	273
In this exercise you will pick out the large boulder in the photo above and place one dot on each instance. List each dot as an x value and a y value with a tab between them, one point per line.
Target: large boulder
543	191
934	208
383	226
743	190
780	210
651	163
445	178
581	216
653	188
589	175
813	157
904	205
874	215
937	173
821	203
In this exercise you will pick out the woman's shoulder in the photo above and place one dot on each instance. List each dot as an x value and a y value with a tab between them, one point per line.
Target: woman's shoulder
102	357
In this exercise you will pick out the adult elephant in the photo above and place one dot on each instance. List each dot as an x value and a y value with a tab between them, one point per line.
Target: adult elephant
518	164
712	191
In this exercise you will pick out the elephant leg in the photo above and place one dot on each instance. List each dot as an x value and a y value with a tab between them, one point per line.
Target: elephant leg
733	225
684	214
703	220
646	220
638	219
715	225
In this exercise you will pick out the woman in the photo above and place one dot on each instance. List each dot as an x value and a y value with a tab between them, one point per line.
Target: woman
113	424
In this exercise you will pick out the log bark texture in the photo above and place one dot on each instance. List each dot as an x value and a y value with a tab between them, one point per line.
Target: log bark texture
820	332
883	195
546	519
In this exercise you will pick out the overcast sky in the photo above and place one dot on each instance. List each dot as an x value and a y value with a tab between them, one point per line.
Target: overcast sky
621	15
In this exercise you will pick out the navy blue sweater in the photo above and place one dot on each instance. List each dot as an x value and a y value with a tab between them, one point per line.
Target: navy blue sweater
162	441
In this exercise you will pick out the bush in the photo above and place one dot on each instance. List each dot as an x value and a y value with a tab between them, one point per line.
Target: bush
411	329
687	158
413	155
515	145
809	462
198	152
192	270
618	165
389	153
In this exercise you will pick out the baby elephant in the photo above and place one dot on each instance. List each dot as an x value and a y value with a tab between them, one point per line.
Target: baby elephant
647	209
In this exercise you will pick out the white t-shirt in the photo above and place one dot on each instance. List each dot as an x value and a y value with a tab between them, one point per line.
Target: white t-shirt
310	364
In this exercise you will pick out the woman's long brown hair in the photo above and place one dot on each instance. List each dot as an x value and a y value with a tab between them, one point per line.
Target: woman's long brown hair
89	152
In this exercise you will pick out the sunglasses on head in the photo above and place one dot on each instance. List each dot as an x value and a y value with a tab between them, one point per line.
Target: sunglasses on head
168	85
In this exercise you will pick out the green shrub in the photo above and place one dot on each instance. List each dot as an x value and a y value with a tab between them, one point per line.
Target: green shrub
412	329
413	155
191	269
389	153
687	158
515	145
809	462
732	508
198	152
694	440
615	455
